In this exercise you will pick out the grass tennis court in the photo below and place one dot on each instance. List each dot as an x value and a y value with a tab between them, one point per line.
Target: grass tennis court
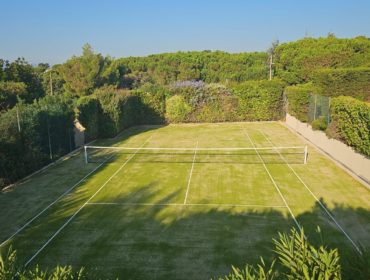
176	216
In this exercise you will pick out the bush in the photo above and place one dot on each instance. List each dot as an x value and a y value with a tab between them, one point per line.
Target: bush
296	259
10	271
353	82
320	124
177	109
351	118
45	126
88	112
120	110
260	100
10	92
298	100
153	103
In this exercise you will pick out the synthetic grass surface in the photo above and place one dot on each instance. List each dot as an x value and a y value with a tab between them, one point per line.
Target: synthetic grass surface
137	219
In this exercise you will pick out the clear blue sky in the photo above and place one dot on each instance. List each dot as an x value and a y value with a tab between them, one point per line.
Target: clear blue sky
52	31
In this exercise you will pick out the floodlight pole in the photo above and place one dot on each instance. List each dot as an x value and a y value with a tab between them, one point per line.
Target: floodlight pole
18	122
271	63
50	80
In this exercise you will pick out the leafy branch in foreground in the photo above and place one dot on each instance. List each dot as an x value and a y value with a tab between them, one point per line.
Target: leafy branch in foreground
10	271
296	259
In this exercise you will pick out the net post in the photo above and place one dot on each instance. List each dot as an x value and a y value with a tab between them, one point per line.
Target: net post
305	154
85	148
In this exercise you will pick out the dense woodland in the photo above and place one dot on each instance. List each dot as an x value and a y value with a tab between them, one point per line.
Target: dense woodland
38	104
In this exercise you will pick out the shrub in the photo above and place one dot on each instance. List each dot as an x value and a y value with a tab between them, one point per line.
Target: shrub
152	102
44	126
298	100
88	112
10	92
353	82
351	118
10	271
320	124
260	100
120	109
297	259
177	109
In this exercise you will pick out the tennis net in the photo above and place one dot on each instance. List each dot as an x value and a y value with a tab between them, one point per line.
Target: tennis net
237	155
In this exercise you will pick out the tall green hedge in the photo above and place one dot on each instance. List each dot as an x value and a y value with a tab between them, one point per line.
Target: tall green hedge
120	110
351	120
46	125
353	82
88	112
152	100
260	100
298	100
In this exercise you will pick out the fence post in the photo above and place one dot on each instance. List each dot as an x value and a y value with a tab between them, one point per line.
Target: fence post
85	154
305	154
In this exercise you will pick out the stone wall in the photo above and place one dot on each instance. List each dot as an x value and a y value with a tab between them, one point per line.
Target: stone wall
343	154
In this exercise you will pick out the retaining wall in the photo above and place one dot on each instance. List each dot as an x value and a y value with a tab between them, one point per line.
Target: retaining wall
343	154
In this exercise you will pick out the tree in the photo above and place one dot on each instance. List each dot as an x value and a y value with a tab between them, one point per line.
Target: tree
82	74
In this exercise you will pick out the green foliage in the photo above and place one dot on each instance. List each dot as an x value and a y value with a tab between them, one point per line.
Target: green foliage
301	260
20	71
153	103
252	273
351	118
120	110
298	100
260	100
297	61
81	74
354	82
44	125
177	109
297	259
55	75
88	112
10	92
210	67
320	124
10	271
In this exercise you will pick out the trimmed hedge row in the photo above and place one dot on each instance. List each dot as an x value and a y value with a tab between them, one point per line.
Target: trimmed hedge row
260	100
353	82
298	100
351	122
249	101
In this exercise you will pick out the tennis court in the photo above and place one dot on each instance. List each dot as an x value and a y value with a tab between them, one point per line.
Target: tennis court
183	201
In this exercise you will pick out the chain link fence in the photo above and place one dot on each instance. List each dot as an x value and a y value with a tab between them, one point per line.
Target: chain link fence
318	107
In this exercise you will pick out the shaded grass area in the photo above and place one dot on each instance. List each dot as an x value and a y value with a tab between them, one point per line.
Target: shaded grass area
133	239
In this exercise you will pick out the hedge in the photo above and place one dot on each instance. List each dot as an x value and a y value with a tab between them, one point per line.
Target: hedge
353	82
298	100
25	151
260	100
152	100
120	110
351	120
88	112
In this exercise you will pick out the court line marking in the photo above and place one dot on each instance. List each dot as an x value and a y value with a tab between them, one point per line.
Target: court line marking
51	204
187	204
316	198
191	173
79	209
272	179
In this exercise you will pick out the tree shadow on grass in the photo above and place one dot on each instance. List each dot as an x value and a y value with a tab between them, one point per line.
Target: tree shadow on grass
145	241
